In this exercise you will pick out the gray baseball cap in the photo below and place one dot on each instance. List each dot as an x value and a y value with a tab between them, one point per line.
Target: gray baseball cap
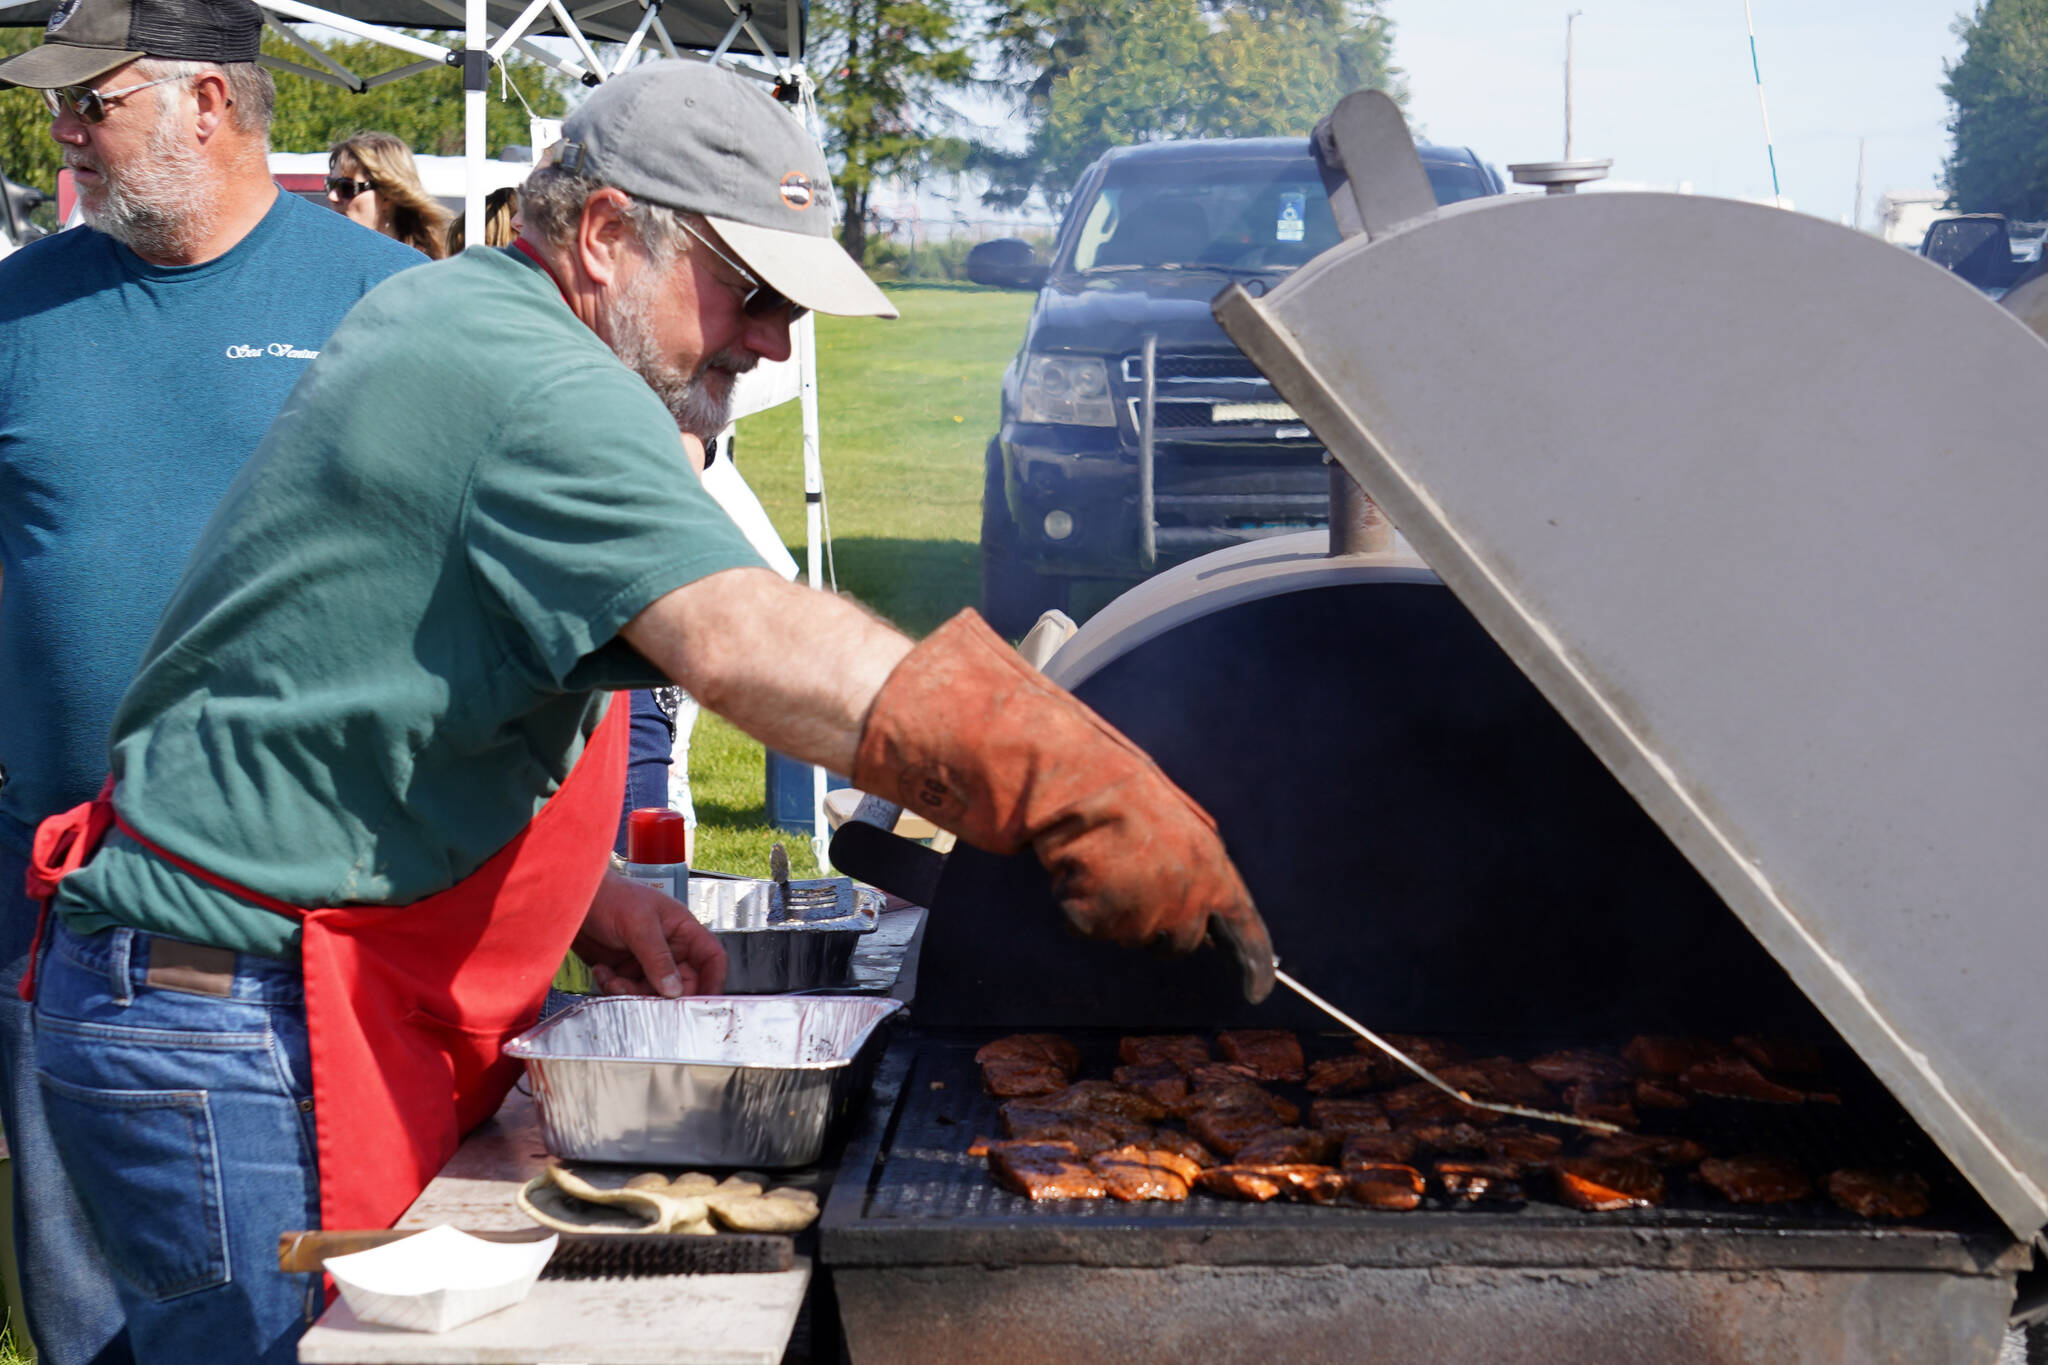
85	39
704	139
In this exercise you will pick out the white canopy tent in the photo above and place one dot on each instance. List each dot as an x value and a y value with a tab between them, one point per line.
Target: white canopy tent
606	37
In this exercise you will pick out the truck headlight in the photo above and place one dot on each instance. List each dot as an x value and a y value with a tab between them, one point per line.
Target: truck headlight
1073	389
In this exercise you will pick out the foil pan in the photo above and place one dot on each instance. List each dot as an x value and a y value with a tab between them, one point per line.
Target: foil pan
705	1081
722	901
768	955
779	958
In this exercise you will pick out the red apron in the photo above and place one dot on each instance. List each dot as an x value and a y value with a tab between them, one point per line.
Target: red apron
408	1007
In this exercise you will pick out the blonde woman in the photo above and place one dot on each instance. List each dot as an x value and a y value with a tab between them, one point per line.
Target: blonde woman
372	179
501	221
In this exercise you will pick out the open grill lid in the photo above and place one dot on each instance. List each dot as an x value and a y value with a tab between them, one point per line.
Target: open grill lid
1756	502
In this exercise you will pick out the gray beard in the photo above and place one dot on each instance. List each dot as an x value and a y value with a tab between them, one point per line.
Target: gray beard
701	403
162	204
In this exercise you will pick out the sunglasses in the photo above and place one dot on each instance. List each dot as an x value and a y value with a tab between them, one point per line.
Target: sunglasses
761	300
90	105
345	189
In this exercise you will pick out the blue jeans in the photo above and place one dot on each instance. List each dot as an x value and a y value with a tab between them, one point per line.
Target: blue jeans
650	739
74	1311
185	1117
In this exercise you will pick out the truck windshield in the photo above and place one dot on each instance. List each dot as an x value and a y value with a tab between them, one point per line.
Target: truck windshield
1230	217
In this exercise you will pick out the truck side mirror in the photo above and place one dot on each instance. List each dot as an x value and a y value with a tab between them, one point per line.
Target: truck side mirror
1006	263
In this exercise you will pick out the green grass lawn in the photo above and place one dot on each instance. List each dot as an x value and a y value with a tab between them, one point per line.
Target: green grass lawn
907	409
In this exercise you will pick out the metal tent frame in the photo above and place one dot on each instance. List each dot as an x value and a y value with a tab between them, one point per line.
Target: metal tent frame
487	38
707	30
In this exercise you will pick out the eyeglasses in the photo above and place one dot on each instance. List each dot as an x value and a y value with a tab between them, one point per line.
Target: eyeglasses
761	300
90	105
345	189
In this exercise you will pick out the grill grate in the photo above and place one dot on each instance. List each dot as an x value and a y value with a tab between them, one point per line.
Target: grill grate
925	1174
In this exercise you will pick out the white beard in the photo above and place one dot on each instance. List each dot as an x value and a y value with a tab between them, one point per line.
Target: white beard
162	204
700	403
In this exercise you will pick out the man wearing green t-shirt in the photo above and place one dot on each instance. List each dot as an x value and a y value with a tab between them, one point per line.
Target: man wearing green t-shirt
366	779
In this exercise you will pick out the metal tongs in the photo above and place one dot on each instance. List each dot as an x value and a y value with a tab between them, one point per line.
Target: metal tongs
817	898
1546	1115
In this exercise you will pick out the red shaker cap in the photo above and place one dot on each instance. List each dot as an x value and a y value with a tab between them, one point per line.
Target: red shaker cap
657	835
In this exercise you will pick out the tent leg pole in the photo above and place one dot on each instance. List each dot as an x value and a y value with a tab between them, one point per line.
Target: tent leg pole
814	522
476	68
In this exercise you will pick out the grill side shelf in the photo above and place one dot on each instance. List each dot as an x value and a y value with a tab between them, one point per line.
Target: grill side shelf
907	1194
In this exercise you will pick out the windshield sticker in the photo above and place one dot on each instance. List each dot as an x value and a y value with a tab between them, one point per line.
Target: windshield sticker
1293	206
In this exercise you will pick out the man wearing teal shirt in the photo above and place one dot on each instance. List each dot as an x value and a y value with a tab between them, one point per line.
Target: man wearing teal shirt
472	518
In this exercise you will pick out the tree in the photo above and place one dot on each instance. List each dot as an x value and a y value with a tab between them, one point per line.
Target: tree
1999	89
28	155
1087	77
886	66
424	110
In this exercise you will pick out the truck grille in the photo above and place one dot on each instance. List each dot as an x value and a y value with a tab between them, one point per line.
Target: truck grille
1204	414
1197	392
1231	368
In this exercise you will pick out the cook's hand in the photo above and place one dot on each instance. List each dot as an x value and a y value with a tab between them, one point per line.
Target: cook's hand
966	733
641	942
1136	861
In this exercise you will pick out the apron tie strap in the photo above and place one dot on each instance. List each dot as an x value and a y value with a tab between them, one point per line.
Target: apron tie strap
219	883
63	844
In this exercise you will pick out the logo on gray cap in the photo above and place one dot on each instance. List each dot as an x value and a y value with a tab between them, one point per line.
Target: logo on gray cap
796	190
59	15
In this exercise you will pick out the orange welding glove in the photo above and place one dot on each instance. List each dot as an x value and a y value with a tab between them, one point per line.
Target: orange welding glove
970	736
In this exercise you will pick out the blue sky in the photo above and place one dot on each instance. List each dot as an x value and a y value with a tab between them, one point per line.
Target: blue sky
1664	87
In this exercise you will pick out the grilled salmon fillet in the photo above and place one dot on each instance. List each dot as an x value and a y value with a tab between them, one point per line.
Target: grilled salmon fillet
1880	1194
1273	1054
1603	1185
1756	1179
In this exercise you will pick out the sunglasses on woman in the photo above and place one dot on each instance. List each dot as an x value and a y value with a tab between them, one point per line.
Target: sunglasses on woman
345	189
90	105
761	300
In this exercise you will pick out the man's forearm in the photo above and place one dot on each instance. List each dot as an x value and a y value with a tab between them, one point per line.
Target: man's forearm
796	669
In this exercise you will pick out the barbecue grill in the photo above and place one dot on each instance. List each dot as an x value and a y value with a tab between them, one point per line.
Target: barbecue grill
1674	736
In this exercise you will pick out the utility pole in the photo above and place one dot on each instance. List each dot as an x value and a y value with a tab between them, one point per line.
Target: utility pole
1857	212
1569	20
1562	177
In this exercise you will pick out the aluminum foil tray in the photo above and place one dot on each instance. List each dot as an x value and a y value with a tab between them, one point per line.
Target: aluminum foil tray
767	955
779	958
722	901
706	1081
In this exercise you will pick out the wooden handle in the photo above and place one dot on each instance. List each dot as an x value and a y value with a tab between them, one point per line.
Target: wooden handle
303	1251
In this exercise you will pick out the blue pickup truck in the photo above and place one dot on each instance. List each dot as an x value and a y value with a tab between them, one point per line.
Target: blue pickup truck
1123	367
